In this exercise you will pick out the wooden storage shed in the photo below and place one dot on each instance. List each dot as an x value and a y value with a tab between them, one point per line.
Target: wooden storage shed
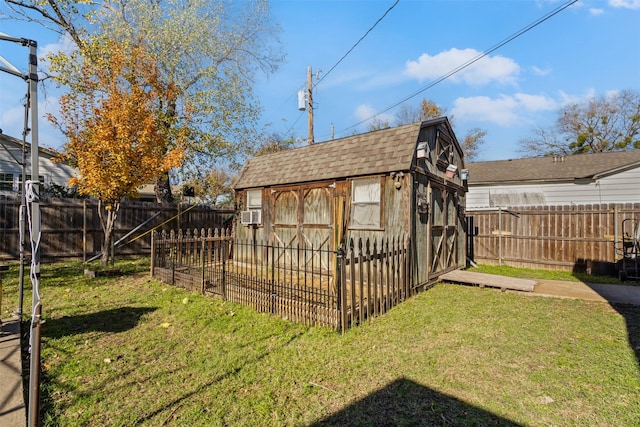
406	181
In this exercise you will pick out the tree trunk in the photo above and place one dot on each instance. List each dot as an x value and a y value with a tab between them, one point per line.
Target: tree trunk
104	259
107	222
162	189
162	186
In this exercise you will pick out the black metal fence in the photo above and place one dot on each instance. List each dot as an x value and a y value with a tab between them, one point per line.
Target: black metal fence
309	285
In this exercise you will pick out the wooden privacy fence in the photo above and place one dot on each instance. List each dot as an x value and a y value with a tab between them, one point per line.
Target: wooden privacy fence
579	238
315	286
71	227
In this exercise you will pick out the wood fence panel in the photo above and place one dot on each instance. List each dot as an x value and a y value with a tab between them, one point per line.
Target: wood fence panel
71	227
577	237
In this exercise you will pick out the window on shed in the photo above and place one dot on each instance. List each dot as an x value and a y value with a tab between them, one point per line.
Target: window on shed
286	208
254	199
445	150
317	208
437	209
451	209
366	203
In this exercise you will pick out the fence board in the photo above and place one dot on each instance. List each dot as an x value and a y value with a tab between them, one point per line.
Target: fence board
578	237
71	227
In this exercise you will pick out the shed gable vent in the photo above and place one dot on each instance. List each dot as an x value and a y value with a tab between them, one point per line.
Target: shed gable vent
251	217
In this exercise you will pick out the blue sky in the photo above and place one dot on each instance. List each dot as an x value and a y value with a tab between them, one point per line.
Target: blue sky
591	48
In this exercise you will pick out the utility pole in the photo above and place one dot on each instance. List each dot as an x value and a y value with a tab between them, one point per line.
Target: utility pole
310	104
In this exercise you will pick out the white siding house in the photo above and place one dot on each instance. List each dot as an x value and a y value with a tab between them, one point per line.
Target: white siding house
11	168
556	181
50	172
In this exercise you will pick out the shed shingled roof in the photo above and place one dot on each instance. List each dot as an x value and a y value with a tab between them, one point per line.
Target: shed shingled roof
549	169
381	151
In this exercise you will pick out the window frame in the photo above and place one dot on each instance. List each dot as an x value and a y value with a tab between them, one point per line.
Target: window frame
380	203
4	182
255	206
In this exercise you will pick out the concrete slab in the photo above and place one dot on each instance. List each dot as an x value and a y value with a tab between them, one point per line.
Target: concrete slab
491	280
616	294
12	406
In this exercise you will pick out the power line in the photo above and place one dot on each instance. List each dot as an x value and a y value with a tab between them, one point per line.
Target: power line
471	61
341	59
357	43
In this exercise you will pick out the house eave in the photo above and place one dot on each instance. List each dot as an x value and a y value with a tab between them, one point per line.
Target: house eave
532	181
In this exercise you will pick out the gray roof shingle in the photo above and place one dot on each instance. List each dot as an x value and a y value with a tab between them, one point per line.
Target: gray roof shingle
376	152
541	169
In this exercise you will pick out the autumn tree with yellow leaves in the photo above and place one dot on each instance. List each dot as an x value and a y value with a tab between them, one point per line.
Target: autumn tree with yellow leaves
209	52
116	135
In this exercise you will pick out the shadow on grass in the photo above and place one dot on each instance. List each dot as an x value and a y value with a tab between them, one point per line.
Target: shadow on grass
115	320
109	321
61	273
407	403
180	400
631	316
623	297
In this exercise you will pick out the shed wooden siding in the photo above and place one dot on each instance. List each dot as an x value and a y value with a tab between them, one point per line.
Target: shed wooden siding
295	210
307	194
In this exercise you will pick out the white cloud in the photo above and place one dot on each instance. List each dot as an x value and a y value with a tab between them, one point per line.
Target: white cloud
505	110
367	114
566	99
536	102
484	71
595	11
12	123
627	4
482	108
612	93
541	71
63	44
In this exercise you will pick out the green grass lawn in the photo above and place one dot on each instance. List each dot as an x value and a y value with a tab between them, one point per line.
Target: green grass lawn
529	273
127	350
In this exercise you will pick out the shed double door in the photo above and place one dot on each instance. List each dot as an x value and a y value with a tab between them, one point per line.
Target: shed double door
444	232
303	227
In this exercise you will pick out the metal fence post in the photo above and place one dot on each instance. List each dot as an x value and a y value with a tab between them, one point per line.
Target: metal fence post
173	265
153	252
342	288
273	278
224	269
202	259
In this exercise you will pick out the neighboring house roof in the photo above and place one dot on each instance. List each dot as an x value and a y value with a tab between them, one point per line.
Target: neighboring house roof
381	151
12	144
550	169
59	172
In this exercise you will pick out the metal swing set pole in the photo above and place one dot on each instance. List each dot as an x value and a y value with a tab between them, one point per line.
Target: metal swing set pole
36	307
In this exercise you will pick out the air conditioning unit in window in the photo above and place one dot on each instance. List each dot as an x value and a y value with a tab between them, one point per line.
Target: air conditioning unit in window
251	217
